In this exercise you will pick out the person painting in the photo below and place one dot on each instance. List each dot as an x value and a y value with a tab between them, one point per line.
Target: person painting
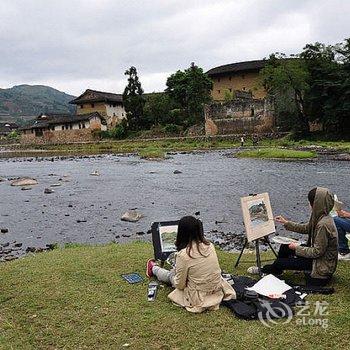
319	257
196	277
342	223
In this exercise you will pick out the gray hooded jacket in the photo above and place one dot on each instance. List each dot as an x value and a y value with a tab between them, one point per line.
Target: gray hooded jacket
323	236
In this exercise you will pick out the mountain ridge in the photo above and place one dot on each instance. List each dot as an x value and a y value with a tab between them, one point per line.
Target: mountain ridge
26	100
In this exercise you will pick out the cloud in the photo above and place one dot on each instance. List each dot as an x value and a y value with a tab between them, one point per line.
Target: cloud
76	44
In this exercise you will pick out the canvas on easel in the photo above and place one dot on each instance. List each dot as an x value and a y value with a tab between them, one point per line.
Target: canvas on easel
257	216
258	222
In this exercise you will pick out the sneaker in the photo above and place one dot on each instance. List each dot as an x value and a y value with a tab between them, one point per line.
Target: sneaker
149	267
344	256
253	270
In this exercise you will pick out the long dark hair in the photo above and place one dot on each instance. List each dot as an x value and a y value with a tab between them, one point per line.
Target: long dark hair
190	230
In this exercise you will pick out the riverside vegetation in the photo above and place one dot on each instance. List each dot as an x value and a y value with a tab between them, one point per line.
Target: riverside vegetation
75	298
157	148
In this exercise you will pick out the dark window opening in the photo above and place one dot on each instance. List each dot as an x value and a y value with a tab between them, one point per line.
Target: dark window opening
244	88
218	91
62	127
230	90
71	126
252	112
81	106
92	105
38	132
229	78
83	125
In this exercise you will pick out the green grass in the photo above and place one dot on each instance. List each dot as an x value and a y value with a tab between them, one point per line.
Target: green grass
74	298
276	153
151	153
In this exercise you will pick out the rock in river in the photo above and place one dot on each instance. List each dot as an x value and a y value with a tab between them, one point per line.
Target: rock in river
131	216
4	230
24	181
177	172
48	190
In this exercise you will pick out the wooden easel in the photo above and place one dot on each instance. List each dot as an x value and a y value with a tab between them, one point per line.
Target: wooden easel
257	251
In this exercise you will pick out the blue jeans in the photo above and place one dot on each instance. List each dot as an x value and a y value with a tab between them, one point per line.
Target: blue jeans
343	226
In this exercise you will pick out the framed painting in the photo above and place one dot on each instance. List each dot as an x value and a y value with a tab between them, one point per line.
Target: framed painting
257	216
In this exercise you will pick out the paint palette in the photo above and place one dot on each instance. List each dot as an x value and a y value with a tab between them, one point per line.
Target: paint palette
132	277
284	240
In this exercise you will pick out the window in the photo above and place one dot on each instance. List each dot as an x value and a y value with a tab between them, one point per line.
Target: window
38	132
83	125
218	80
244	88
81	106
230	90
252	112
92	105
114	105
79	126
218	91
71	126
62	127
229	78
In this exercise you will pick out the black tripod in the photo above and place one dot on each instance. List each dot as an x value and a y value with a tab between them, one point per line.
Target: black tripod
257	251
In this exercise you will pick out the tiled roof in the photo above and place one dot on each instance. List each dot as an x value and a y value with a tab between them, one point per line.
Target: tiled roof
237	67
6	128
49	119
97	96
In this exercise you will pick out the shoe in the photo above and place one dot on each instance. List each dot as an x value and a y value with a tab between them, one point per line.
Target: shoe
253	270
344	256
149	267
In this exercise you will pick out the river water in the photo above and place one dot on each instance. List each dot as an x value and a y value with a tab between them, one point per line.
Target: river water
87	209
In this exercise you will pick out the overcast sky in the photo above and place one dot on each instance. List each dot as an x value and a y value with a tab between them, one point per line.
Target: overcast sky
73	45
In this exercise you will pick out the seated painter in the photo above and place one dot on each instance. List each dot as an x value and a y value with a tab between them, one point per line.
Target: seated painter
342	222
318	258
197	275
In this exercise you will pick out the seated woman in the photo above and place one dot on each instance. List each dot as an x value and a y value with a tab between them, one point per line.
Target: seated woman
197	275
319	257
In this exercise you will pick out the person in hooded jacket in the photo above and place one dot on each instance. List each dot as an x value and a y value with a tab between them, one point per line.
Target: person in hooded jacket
196	277
318	258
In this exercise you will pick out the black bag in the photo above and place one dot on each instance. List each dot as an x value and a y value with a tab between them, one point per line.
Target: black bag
242	310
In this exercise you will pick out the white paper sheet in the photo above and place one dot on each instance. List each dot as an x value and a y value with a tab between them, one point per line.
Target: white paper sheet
270	285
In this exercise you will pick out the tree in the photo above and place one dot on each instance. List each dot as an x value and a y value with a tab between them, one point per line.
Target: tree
190	89
133	100
328	98
286	79
158	109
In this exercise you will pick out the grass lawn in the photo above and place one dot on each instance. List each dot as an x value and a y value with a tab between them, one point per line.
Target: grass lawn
276	153
74	298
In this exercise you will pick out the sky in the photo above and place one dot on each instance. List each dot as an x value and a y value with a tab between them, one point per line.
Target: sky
73	45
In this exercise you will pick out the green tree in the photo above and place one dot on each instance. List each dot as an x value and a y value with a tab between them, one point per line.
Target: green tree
157	110
133	100
190	89
286	79
328	98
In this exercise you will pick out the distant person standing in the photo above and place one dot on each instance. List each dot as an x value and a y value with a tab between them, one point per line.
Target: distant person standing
242	141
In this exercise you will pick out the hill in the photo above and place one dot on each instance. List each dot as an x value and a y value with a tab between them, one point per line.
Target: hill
31	100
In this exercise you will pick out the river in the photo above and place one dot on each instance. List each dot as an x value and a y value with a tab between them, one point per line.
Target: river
87	209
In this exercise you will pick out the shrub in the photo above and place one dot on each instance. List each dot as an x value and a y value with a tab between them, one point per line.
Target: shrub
172	129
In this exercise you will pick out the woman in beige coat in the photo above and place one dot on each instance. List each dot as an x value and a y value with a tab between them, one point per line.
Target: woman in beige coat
196	278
